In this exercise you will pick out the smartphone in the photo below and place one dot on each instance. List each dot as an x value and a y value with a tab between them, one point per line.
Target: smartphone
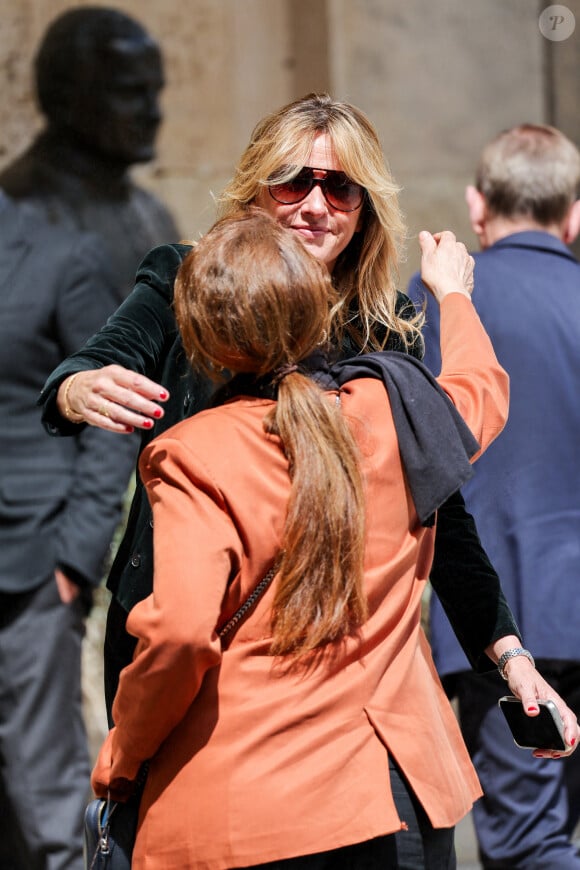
544	731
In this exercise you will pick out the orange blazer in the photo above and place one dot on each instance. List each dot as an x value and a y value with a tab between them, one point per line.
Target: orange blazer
252	762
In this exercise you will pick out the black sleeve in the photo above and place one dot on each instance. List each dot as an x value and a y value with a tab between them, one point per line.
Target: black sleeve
136	336
467	584
462	575
464	579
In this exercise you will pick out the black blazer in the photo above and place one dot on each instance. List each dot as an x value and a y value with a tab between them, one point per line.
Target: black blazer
60	498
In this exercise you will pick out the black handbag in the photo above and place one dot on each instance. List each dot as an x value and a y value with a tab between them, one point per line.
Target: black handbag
111	826
110	830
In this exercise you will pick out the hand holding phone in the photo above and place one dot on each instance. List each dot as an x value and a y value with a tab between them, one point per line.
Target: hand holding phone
544	731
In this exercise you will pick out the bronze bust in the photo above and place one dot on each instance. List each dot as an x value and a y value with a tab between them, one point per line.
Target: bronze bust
99	75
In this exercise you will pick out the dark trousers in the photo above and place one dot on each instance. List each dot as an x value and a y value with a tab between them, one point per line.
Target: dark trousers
118	652
44	763
530	806
420	848
378	854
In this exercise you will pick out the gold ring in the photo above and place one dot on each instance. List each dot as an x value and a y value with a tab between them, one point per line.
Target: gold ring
103	411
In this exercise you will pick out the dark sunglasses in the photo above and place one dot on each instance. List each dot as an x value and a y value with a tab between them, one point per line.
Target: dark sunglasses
338	190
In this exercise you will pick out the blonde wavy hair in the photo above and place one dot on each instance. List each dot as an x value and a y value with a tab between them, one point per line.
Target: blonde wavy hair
366	273
250	298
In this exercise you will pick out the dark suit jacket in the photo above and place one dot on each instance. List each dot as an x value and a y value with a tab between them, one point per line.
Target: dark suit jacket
67	189
525	493
142	335
60	498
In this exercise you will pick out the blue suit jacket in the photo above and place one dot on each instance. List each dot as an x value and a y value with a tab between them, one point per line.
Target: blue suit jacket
525	494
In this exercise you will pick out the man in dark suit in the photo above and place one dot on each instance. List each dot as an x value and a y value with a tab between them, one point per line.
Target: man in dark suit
60	502
525	493
99	75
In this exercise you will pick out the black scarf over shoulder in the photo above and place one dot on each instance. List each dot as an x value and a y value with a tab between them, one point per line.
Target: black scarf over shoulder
435	443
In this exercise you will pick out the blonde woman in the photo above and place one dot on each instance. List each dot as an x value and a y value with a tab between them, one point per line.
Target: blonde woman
133	375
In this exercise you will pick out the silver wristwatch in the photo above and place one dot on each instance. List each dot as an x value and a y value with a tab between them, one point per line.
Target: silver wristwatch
510	654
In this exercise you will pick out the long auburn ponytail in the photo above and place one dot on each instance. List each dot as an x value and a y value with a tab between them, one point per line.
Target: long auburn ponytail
249	298
320	595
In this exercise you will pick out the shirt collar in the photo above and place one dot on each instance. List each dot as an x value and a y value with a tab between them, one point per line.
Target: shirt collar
534	239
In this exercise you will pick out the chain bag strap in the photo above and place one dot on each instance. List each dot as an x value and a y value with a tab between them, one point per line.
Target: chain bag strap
248	604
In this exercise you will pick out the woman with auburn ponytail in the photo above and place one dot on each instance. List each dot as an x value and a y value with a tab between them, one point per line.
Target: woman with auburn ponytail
283	747
277	320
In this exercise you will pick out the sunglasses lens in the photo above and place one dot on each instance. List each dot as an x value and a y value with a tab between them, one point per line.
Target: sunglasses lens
289	192
342	193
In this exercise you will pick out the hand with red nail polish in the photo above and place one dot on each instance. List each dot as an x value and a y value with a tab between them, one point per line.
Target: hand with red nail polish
526	683
112	398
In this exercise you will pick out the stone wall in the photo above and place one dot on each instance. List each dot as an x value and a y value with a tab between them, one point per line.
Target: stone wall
438	79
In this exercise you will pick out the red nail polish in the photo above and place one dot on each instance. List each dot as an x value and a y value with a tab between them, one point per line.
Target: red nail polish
158	413
573	742
532	709
147	424
162	394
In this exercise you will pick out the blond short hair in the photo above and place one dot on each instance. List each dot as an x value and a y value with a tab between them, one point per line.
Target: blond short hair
532	170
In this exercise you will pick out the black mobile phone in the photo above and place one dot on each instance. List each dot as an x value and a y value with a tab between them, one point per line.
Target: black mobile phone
544	731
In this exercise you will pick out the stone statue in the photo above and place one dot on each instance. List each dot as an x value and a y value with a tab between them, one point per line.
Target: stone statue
98	75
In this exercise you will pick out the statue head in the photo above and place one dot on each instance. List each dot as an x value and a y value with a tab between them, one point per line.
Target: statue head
99	75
